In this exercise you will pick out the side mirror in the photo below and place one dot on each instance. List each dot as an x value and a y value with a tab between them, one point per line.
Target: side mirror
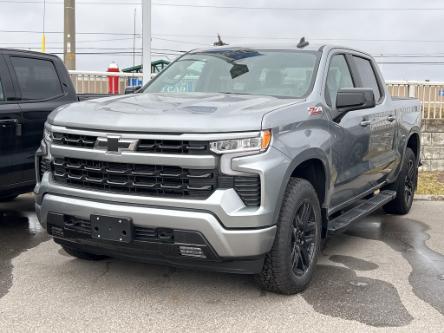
355	99
132	89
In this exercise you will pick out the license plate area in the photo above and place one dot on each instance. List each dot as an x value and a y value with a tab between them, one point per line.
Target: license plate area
110	228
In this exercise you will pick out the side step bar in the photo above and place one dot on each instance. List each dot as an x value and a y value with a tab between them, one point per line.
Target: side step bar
363	209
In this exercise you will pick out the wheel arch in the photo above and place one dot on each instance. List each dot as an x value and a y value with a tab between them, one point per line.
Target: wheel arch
414	143
312	165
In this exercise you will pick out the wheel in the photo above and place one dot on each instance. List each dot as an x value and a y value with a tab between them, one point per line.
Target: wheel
289	266
404	186
8	198
83	255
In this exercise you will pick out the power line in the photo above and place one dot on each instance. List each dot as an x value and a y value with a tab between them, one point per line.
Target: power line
178	52
159	37
34	46
81	41
181	41
438	55
61	32
105	40
410	62
61	3
116	53
301	9
296	38
348	9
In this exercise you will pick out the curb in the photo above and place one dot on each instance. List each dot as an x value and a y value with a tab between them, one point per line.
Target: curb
429	197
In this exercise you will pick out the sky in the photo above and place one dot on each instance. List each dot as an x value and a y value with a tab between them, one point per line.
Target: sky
408	33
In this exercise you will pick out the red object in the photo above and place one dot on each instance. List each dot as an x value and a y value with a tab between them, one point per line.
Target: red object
315	110
113	81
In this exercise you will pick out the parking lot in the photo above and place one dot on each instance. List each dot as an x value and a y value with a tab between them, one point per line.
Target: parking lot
384	272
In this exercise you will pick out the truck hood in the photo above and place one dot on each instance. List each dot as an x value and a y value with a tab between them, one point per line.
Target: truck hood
179	113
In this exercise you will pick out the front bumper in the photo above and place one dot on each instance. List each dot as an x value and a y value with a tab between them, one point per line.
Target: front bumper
225	242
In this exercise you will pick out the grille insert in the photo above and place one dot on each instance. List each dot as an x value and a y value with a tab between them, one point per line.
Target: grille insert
44	165
153	180
249	189
174	147
144	145
74	140
136	178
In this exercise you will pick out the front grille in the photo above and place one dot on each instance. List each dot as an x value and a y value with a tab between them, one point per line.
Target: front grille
144	145
74	140
153	180
174	147
137	179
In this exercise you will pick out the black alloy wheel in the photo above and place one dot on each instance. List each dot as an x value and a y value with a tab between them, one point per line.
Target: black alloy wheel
303	239
410	182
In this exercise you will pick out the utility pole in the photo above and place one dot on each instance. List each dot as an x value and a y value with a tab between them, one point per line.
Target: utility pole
146	40
43	28
69	35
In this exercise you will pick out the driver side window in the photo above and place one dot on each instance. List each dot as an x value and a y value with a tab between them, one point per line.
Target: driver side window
338	77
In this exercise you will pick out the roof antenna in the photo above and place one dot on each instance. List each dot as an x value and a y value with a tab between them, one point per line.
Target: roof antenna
219	41
302	43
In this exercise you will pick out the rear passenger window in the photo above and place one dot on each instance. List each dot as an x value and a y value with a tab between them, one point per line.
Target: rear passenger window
2	94
37	78
367	75
338	77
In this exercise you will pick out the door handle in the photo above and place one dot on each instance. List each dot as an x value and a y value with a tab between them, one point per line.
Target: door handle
18	127
391	118
365	123
4	122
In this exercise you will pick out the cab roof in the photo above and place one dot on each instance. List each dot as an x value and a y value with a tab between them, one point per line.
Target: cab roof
276	46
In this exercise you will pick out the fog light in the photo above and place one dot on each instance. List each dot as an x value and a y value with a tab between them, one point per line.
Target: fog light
190	251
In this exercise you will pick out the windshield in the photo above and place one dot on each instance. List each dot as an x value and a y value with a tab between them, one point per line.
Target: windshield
240	71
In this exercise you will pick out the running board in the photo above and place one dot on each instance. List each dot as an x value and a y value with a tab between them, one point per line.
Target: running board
363	209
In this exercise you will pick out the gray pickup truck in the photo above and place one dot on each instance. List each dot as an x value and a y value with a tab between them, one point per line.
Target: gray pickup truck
235	159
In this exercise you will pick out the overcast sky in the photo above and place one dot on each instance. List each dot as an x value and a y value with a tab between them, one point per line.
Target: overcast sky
399	30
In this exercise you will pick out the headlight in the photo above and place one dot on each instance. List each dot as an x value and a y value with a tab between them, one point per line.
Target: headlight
47	135
259	143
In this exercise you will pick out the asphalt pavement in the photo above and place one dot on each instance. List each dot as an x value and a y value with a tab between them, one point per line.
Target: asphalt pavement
384	273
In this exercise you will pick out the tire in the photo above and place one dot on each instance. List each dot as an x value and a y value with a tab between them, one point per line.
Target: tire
289	266
404	186
8	198
83	255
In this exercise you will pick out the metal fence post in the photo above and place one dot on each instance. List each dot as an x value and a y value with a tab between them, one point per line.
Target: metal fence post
412	90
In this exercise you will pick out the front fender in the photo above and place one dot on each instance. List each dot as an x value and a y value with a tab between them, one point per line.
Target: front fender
306	155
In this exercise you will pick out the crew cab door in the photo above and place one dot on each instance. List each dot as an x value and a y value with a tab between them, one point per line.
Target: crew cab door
40	92
350	139
10	133
382	122
362	151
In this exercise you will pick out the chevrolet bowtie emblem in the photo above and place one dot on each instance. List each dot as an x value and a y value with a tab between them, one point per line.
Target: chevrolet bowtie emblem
116	144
